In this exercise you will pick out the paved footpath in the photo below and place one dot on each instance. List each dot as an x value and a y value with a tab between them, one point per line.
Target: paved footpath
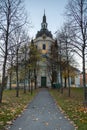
42	114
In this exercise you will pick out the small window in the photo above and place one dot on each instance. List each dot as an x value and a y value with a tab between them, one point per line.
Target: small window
72	80
44	46
36	47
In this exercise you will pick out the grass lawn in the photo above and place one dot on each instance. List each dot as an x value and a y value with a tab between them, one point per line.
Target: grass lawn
12	106
73	106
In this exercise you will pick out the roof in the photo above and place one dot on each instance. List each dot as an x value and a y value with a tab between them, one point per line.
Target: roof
44	29
42	32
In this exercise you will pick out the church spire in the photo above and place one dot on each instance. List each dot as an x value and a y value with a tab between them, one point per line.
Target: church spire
44	17
44	29
44	23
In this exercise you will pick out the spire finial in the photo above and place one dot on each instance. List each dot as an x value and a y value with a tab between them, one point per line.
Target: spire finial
44	17
44	11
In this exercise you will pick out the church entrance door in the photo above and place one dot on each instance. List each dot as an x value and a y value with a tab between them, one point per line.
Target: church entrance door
43	81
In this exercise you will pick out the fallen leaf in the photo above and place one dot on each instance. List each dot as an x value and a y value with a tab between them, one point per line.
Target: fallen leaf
20	128
9	122
35	119
46	123
60	118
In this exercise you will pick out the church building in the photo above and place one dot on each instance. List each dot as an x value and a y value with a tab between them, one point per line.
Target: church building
43	41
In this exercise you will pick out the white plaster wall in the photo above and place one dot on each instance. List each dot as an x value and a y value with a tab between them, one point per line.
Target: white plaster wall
43	71
77	81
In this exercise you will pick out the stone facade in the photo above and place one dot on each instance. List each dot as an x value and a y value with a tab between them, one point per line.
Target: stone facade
43	41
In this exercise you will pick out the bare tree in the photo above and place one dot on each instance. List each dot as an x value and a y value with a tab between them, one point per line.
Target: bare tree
65	52
24	66
52	63
77	15
19	40
11	13
10	68
34	58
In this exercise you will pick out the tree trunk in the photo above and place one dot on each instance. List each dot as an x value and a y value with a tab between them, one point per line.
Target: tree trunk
24	86
17	85
1	93
69	92
35	81
61	80
29	80
3	78
84	81
17	82
10	77
4	64
31	87
65	82
35	78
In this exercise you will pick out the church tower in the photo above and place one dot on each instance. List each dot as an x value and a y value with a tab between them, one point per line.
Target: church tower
44	23
43	41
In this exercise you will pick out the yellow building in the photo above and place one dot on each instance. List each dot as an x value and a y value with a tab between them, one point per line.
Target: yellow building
43	41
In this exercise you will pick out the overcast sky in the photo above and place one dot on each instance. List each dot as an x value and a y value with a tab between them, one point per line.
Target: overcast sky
54	10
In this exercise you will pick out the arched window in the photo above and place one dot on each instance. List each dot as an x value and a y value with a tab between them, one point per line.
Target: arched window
44	46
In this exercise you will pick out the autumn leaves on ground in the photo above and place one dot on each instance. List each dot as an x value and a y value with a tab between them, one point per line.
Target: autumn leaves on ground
72	106
12	106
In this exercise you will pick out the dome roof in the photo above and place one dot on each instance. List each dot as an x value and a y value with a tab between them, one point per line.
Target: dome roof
44	29
42	32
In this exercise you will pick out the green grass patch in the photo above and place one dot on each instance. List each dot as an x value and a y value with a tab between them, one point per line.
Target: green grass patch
13	106
72	106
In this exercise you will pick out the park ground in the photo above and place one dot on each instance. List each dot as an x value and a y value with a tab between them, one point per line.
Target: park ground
72	107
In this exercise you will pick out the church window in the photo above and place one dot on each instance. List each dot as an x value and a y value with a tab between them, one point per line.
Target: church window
44	46
36	47
72	80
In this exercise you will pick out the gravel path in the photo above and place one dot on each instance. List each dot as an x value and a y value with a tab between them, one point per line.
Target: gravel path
42	114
